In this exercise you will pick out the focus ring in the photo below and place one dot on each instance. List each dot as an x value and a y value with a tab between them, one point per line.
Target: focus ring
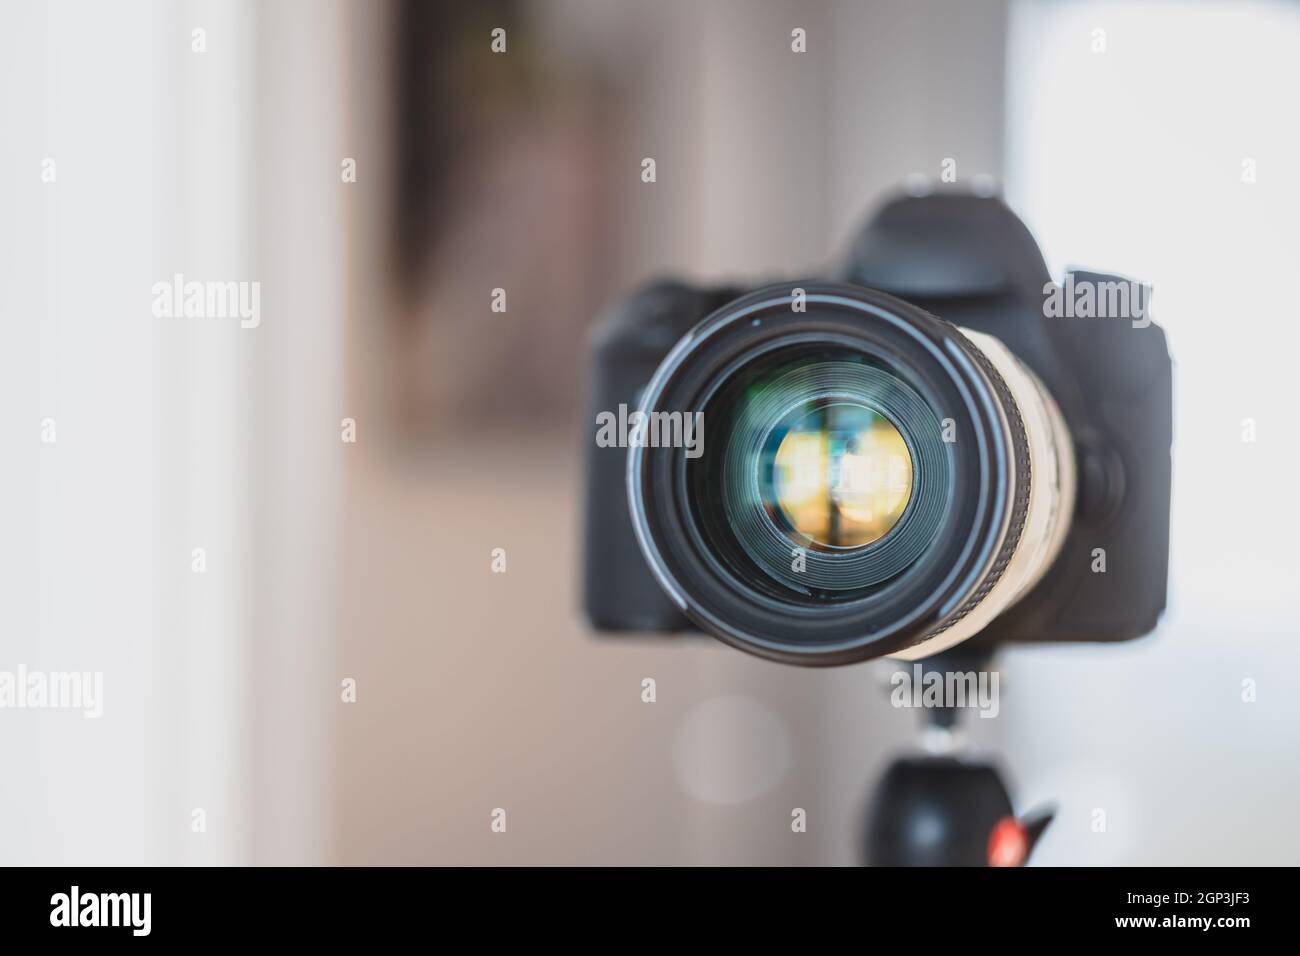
1023	475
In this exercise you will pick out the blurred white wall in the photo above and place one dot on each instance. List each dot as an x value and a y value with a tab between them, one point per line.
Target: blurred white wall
151	150
1132	159
217	156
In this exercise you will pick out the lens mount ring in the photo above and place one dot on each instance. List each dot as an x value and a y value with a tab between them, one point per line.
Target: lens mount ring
677	527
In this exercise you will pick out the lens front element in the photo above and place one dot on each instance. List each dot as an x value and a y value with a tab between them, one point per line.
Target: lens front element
833	476
841	476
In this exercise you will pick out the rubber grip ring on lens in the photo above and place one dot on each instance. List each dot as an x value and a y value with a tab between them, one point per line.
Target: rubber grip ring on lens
1020	501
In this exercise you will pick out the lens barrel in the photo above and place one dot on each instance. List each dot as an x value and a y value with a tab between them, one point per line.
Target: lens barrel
870	480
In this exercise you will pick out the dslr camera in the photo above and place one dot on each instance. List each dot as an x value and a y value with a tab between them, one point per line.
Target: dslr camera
937	445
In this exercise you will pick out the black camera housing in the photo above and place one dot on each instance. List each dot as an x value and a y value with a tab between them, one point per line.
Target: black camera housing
971	262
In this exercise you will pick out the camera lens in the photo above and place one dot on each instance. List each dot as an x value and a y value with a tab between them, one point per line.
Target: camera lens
870	481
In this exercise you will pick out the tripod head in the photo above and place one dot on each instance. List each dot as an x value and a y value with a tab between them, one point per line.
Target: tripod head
940	808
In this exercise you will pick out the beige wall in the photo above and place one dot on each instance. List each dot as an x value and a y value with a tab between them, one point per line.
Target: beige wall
481	691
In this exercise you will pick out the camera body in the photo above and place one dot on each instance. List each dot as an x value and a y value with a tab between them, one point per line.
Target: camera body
972	263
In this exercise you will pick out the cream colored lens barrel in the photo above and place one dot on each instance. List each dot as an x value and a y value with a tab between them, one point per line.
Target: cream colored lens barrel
1052	486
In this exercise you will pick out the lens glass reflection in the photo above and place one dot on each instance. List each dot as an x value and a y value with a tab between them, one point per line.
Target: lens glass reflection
841	476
